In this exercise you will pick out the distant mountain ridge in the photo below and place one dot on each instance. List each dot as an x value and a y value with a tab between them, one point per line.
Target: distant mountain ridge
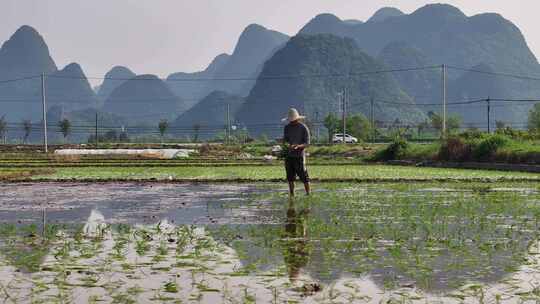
114	78
193	91
422	85
443	33
475	86
25	54
211	111
318	96
437	34
254	46
144	98
430	36
70	89
385	13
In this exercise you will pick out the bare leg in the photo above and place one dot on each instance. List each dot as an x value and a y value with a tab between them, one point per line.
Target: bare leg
291	189
307	187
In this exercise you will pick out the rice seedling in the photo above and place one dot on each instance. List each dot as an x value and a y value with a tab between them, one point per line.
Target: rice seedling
454	243
170	287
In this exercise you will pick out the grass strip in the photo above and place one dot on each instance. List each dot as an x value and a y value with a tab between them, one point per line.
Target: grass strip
18	174
353	173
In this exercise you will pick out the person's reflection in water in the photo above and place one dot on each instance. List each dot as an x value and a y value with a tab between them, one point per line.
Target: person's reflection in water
296	246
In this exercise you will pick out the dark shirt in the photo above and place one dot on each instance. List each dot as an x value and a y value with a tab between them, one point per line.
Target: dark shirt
296	134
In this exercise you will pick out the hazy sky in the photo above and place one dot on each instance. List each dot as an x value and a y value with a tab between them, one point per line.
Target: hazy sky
165	36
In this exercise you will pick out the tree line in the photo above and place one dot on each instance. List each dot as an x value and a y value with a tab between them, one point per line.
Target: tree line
357	125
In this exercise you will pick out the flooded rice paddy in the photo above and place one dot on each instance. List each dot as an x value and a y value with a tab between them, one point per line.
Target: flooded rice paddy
203	243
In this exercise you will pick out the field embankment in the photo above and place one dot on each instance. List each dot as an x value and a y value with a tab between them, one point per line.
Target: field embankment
272	173
251	163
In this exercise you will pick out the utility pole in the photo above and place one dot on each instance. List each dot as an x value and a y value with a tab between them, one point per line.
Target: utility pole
344	112
228	132
444	100
45	145
488	115
372	119
316	124
96	130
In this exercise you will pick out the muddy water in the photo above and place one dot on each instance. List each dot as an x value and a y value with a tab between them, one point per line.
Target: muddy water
242	243
129	203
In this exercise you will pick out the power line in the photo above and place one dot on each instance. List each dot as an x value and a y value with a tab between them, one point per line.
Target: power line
516	100
270	77
19	79
260	77
522	77
465	102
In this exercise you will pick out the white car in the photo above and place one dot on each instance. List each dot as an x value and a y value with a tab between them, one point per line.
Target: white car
338	138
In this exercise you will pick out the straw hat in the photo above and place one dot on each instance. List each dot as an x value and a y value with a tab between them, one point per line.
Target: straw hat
293	115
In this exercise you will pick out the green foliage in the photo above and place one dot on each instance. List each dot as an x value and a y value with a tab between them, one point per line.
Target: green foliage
264	139
331	123
262	173
472	146
472	134
453	122
27	127
65	127
505	146
533	122
487	147
516	134
283	153
171	287
357	125
163	126
395	150
421	152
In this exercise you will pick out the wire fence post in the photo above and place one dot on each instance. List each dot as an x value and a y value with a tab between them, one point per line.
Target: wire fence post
372	120
344	113
43	102
443	128
228	133
488	101
96	129
316	124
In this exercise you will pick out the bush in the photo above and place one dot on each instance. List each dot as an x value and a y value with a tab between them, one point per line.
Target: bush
395	150
455	149
487	147
515	134
472	134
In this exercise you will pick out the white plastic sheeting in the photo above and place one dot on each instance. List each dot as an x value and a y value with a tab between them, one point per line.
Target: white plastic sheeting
162	153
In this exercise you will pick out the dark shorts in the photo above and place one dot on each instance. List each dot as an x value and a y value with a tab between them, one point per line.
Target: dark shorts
294	166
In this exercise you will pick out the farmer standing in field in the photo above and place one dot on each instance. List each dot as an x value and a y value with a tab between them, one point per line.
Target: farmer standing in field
296	136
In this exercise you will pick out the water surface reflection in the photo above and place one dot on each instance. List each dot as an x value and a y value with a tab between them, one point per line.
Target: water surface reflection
207	242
